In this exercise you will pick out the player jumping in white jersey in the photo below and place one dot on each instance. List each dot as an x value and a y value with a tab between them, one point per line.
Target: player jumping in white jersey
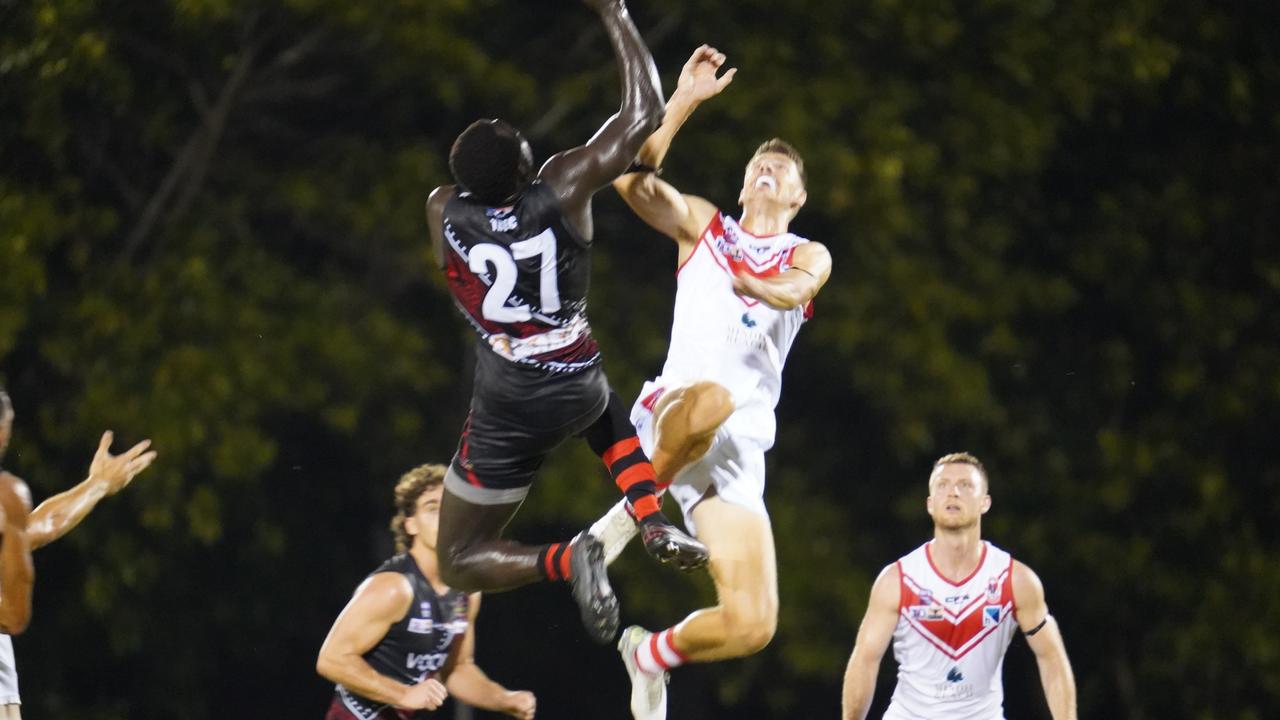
743	290
951	607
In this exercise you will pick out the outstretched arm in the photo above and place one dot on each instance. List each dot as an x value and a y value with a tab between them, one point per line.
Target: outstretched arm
17	575
1046	642
678	216
810	268
108	474
575	175
468	683
873	639
379	602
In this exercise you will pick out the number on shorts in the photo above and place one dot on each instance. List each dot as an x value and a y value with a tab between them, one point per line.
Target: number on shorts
505	272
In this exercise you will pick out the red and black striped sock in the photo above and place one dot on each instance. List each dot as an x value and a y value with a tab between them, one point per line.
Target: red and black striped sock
553	560
634	475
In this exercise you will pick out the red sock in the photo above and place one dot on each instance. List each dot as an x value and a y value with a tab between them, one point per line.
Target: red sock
553	560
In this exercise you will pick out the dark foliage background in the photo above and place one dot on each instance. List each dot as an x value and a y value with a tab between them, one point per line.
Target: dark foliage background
1054	227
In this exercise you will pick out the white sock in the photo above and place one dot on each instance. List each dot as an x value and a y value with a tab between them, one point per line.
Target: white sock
659	654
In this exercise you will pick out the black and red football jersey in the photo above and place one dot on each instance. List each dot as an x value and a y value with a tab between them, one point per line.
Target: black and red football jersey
519	275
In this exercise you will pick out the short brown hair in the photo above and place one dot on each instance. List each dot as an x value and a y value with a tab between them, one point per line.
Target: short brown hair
409	488
965	458
782	147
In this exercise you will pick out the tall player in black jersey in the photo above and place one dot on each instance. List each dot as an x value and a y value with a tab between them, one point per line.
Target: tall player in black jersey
516	251
404	630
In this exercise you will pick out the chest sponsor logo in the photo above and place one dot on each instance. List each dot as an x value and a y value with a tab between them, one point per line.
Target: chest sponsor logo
957	599
990	615
925	612
425	662
421	625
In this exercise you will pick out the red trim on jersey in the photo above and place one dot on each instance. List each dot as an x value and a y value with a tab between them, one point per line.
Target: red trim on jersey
929	556
808	310
702	236
619	450
978	599
650	401
947	635
1009	581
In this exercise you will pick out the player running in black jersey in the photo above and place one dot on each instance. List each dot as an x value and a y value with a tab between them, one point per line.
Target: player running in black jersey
404	631
515	249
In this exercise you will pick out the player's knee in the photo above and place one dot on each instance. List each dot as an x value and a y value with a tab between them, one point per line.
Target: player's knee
749	629
709	405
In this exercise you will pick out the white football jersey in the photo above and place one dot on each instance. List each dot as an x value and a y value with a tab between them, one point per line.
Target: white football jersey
736	341
951	639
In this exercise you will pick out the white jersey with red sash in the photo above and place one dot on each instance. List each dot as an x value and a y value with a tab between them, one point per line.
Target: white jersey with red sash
951	639
736	341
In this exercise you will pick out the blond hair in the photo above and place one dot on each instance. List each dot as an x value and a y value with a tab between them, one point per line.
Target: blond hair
965	458
409	488
782	147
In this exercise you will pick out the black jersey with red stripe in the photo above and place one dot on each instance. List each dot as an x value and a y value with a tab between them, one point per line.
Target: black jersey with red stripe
519	274
418	644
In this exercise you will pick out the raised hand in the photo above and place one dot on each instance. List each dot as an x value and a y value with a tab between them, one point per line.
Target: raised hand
698	79
115	471
426	695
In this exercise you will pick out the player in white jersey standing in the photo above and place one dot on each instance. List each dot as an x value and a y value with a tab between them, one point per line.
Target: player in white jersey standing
951	608
743	290
51	519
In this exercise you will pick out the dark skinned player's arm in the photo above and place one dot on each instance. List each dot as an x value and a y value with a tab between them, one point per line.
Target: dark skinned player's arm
577	174
435	220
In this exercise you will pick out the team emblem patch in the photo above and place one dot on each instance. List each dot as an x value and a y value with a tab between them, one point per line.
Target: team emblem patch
422	626
990	615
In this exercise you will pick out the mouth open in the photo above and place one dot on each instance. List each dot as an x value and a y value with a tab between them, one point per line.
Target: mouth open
767	181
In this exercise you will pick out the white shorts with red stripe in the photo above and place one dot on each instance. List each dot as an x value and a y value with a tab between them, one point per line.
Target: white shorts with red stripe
733	465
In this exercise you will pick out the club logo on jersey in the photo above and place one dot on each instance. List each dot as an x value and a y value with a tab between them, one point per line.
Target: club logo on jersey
925	612
990	615
424	624
955	676
746	320
993	590
501	219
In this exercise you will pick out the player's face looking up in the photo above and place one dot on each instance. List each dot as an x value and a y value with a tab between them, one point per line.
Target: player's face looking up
424	524
773	178
957	496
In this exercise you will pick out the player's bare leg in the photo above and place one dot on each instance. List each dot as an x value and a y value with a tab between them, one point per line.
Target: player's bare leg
686	419
614	438
474	557
744	568
11	712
